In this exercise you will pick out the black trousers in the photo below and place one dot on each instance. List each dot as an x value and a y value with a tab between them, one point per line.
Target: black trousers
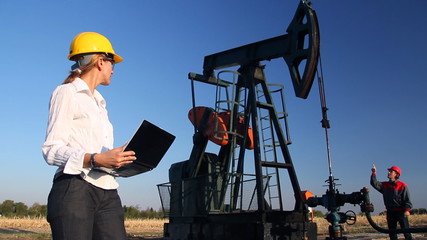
78	210
394	217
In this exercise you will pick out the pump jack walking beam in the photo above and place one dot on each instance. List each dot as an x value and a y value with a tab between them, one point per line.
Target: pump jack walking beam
289	46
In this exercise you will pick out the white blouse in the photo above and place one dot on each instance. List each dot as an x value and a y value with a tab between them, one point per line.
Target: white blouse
78	124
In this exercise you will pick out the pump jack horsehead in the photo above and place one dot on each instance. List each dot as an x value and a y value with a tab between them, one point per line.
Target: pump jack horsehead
206	199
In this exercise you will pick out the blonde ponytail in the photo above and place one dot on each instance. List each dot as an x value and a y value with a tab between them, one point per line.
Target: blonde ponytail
83	69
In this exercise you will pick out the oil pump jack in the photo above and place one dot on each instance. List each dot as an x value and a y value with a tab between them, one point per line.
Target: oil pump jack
211	195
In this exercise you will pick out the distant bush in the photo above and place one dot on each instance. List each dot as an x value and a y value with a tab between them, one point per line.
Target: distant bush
318	214
418	211
149	213
10	208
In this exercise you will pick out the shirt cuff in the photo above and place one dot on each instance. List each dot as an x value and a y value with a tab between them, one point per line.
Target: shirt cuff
74	164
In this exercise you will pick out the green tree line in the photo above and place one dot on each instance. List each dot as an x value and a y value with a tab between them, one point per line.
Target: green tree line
10	208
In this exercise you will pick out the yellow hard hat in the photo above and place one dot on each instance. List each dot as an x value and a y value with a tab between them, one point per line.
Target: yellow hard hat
92	42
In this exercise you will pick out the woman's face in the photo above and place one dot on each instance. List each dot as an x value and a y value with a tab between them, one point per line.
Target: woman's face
107	70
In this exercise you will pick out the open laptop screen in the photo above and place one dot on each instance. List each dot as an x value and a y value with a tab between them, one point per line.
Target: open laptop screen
150	143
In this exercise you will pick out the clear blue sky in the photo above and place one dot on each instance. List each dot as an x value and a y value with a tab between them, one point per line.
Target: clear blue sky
374	64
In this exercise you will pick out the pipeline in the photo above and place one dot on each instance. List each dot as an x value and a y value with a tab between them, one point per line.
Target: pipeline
367	208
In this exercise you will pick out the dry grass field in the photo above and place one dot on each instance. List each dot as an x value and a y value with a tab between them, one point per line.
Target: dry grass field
38	228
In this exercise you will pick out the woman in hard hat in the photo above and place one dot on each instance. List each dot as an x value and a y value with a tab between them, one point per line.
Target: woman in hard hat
396	199
83	202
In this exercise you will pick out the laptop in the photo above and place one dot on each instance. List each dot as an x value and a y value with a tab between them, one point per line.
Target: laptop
150	143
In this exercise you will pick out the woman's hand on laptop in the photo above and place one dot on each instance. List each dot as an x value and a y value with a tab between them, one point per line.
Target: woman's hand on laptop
114	158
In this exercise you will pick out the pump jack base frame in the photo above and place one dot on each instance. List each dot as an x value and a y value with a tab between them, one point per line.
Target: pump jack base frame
242	226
